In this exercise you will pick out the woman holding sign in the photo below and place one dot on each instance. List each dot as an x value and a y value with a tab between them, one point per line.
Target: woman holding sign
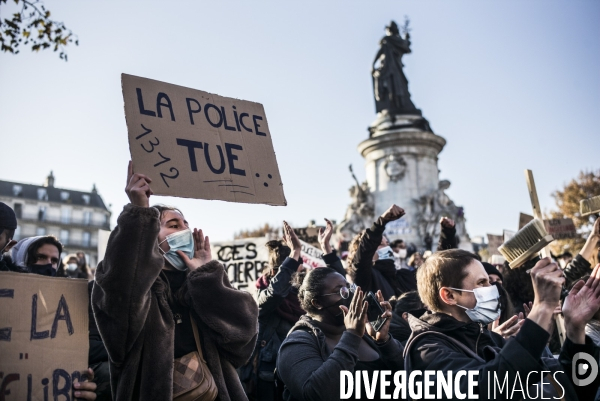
172	323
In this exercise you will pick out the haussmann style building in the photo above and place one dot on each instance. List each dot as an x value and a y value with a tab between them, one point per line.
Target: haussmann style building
74	217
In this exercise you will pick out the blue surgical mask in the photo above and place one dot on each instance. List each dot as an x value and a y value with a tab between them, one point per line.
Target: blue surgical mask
385	253
180	241
487	309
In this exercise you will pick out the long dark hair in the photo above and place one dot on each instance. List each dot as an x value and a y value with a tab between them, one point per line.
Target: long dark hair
31	256
278	251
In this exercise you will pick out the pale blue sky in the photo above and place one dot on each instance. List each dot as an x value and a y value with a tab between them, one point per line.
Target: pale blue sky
509	84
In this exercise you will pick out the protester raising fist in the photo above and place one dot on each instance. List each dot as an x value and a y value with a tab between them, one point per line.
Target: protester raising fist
370	271
447	222
393	213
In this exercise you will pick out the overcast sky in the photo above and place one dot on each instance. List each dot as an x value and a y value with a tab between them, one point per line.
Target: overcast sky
509	84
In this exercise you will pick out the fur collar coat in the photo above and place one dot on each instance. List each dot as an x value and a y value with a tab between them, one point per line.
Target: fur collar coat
136	323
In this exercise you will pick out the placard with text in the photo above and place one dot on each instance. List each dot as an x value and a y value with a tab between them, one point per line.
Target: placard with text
44	336
194	144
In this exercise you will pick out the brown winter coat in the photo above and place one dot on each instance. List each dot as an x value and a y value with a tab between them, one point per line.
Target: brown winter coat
136	322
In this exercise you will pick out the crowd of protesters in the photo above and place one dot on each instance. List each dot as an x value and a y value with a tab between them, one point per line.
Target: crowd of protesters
166	324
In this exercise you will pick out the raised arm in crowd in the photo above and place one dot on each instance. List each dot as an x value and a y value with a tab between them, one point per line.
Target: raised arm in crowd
158	297
279	307
369	271
454	336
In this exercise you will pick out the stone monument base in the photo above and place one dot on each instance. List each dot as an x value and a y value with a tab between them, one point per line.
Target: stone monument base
401	167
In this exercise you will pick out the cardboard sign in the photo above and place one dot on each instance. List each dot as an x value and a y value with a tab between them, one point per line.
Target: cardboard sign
561	228
524	219
195	144
246	259
507	234
44	337
310	235
494	241
311	256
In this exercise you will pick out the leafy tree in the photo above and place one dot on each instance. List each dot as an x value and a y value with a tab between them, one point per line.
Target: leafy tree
259	232
32	26
586	185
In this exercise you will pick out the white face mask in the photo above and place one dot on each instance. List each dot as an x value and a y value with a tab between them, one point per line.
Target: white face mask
401	253
72	267
487	309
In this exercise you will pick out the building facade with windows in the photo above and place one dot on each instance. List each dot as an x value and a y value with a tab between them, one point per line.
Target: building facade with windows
74	217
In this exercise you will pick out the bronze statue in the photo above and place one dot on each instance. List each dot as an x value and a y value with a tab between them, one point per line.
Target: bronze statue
390	85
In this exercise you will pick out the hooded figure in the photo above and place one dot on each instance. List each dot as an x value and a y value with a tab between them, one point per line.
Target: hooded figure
45	264
19	251
8	225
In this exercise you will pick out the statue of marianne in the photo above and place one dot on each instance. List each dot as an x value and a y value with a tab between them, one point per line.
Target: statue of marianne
390	85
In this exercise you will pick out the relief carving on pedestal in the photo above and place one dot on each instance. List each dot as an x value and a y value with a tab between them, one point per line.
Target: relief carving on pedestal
395	167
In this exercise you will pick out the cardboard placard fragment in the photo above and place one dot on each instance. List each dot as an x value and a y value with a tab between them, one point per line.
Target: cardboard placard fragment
194	144
44	336
245	260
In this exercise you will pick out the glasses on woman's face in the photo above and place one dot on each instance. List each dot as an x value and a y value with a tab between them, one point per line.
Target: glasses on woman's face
344	291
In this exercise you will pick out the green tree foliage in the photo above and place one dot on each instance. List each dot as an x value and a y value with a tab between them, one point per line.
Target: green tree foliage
586	185
31	25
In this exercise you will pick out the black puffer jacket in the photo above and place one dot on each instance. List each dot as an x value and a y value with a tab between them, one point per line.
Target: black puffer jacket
440	342
382	274
8	265
576	269
448	239
311	371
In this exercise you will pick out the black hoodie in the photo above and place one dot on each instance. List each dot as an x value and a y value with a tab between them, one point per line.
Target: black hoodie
7	265
382	274
470	346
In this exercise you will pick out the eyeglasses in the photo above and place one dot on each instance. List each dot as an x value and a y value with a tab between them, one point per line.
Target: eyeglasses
344	291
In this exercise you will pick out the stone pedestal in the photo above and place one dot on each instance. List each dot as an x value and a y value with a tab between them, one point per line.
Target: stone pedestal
401	166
